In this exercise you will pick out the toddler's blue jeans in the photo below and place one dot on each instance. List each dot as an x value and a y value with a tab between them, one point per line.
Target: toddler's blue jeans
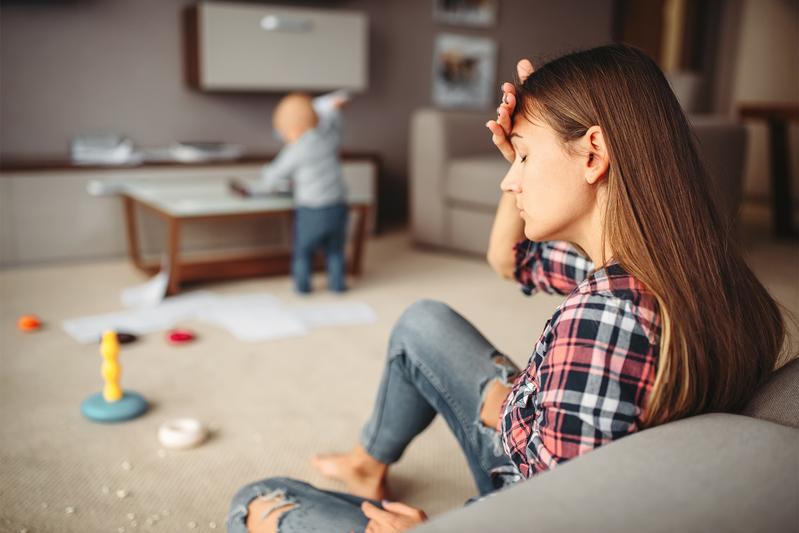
320	228
437	363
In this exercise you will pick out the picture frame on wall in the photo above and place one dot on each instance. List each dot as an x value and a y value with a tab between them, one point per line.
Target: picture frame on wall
475	13
464	71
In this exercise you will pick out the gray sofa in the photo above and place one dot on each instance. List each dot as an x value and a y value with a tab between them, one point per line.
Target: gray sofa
455	173
714	472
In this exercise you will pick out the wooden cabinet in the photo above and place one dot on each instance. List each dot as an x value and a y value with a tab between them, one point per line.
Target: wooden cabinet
253	47
46	215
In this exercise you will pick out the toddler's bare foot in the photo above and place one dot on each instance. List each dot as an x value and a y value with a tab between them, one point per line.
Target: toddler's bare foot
363	475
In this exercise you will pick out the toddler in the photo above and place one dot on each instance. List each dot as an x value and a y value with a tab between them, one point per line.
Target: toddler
308	165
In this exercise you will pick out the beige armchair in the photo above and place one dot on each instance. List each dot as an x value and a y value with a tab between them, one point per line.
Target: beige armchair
455	173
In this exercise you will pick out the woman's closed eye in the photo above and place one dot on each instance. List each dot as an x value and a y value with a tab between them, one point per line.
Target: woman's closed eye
522	158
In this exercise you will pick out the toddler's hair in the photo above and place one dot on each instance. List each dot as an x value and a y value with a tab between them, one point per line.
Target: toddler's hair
294	111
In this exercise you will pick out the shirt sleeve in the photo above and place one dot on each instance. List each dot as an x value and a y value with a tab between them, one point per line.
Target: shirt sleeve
331	122
276	175
594	382
554	267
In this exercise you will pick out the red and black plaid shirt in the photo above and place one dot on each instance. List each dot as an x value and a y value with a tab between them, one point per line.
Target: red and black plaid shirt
593	368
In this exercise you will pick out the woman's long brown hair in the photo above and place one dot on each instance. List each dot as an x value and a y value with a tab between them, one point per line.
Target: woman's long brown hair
721	331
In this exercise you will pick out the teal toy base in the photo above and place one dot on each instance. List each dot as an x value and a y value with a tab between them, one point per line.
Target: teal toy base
96	409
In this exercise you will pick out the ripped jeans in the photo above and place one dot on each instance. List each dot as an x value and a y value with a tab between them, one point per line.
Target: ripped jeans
437	363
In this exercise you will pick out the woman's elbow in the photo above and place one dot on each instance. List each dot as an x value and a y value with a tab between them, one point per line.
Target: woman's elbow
501	265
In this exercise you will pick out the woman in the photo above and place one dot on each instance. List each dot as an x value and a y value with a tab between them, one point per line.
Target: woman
607	202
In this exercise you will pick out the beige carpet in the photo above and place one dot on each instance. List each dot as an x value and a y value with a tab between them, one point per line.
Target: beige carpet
272	403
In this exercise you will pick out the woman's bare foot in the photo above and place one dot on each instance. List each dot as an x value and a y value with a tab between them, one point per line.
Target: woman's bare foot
364	475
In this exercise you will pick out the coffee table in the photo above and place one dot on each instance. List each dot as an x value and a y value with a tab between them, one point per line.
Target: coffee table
180	201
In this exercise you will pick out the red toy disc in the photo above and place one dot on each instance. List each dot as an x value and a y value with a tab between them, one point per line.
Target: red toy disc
180	336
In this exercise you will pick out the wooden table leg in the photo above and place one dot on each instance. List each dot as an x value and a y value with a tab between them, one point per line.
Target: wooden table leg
134	252
356	262
781	198
173	251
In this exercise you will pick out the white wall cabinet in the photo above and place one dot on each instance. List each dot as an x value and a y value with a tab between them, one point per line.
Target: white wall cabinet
254	47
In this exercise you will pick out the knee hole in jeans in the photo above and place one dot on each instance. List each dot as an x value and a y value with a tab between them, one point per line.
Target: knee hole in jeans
267	511
490	397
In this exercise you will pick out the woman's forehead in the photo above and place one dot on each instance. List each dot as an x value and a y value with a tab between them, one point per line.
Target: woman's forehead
524	126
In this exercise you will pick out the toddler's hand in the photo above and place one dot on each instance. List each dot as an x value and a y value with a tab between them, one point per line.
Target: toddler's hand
501	127
238	187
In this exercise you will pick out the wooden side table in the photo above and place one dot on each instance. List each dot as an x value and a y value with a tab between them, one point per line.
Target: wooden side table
778	117
181	202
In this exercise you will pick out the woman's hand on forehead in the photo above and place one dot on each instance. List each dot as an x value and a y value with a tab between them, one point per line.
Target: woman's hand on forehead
501	127
523	69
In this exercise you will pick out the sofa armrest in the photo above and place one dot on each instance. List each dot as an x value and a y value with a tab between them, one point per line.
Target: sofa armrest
715	472
436	137
722	145
427	166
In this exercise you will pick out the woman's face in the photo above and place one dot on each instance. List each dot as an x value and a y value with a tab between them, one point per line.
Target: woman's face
549	184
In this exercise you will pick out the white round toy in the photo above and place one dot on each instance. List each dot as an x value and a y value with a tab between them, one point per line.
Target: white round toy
181	433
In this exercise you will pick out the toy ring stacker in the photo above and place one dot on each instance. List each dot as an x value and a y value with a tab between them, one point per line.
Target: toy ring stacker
181	433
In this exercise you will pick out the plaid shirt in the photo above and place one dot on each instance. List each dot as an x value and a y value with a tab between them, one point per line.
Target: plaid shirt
591	372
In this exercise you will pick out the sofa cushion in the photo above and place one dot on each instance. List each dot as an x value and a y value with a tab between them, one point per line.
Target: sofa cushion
777	400
475	180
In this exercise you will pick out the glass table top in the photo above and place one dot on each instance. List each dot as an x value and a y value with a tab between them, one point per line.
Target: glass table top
208	196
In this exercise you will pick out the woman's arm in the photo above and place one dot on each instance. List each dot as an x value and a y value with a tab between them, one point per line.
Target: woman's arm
508	229
553	267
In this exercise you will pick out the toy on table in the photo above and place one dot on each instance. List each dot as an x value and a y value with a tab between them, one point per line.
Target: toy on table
29	323
113	404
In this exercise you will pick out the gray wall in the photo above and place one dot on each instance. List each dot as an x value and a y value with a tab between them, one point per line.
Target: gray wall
68	67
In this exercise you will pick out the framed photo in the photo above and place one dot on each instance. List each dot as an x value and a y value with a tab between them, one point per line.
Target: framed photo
464	70
477	13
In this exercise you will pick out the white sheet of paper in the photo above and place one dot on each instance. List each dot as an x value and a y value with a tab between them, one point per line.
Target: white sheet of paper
254	317
140	320
248	317
149	293
335	314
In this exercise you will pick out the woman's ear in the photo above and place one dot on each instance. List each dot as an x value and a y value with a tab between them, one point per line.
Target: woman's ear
597	160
